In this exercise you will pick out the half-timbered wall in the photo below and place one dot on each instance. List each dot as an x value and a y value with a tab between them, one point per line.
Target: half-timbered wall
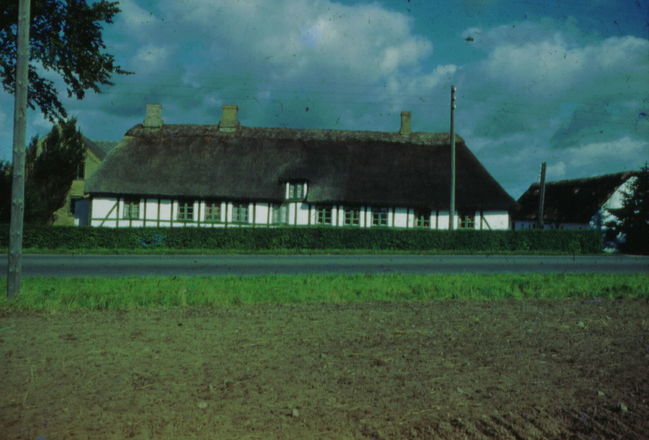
156	212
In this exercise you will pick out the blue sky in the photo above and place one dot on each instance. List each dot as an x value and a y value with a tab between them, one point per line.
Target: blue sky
566	82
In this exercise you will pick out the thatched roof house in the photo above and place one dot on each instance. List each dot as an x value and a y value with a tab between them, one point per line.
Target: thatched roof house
576	203
230	162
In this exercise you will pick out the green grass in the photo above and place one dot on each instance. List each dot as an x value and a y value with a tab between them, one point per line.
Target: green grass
58	294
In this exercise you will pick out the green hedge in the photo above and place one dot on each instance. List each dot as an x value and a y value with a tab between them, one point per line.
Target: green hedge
250	239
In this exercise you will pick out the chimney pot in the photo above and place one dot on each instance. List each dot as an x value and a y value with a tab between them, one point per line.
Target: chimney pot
229	118
153	117
405	124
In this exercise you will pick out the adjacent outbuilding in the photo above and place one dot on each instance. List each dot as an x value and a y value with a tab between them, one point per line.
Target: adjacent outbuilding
588	203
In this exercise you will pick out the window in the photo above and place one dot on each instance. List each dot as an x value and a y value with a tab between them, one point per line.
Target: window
467	220
297	191
280	214
186	210
213	212
323	215
131	209
240	213
352	216
380	217
422	219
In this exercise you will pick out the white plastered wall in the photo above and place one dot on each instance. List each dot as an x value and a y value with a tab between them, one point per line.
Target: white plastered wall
108	212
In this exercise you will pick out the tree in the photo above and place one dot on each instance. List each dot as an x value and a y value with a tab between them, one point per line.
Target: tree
65	38
634	215
51	165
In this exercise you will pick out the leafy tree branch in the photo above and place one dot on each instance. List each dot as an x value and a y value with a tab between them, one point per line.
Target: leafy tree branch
65	38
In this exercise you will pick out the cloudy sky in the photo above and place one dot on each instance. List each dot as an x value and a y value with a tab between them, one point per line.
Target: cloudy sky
566	82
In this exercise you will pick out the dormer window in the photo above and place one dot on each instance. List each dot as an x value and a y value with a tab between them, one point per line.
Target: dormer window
296	190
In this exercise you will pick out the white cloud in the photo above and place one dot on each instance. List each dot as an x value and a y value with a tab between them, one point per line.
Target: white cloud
601	152
295	38
537	68
556	171
138	21
283	56
150	58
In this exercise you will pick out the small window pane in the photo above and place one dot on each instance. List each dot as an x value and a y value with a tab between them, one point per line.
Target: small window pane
352	216
213	212
186	210
131	209
422	219
280	214
467	220
296	191
240	213
380	217
323	215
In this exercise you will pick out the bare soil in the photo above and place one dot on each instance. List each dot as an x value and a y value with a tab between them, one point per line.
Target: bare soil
565	369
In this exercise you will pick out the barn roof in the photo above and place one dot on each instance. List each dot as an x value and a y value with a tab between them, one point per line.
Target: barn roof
349	167
571	201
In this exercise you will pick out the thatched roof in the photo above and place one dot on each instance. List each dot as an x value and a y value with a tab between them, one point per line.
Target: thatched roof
99	148
349	167
571	201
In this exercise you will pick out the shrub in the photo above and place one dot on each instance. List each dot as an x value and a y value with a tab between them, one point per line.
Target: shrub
251	239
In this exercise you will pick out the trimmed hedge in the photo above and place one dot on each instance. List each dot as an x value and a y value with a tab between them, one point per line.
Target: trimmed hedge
250	239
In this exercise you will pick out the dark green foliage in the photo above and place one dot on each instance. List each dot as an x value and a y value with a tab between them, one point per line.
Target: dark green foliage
65	38
249	239
5	192
634	215
51	166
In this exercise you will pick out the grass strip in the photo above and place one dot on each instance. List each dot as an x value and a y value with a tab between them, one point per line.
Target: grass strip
59	294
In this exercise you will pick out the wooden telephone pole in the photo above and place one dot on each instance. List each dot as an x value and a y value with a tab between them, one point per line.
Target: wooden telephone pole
14	275
539	216
451	211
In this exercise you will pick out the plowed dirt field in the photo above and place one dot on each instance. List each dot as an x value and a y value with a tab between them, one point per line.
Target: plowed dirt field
503	369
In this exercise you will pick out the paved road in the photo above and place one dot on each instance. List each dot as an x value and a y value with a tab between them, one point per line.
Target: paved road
206	265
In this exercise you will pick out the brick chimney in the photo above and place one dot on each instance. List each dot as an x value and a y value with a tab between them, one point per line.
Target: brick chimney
405	124
229	118
153	117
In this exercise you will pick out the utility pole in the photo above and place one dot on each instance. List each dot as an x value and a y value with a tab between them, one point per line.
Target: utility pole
451	211
14	275
539	216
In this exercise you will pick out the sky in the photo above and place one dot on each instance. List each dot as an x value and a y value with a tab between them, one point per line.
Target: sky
562	82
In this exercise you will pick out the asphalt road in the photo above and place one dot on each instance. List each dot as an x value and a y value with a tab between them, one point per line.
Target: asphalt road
210	265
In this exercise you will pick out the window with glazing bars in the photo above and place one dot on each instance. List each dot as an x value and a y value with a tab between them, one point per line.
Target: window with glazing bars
323	215
422	219
131	209
380	217
213	212
296	191
185	210
467	220
280	214
352	216
240	213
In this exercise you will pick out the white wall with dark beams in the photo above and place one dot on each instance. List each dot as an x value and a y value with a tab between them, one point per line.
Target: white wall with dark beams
114	212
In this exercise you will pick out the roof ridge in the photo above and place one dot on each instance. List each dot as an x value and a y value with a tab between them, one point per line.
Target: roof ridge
589	178
329	134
